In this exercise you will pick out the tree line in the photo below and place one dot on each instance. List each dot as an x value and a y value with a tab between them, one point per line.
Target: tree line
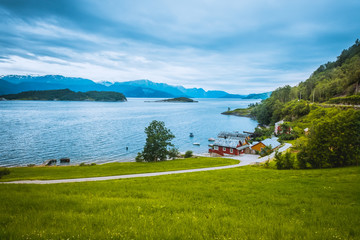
334	133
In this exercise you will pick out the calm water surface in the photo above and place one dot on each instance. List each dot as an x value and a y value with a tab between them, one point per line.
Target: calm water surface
34	131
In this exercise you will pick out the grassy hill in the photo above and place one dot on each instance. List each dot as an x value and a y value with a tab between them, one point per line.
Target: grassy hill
243	203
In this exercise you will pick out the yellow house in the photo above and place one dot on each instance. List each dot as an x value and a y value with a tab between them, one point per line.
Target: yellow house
273	142
258	146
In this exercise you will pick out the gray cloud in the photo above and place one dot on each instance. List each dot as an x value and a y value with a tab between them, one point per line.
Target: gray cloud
239	46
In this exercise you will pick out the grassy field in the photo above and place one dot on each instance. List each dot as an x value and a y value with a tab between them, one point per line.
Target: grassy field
111	169
242	203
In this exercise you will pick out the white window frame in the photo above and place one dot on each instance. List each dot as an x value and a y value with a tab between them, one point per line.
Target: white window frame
216	147
231	150
224	149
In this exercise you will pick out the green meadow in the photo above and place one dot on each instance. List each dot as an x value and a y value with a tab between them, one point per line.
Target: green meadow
242	203
112	169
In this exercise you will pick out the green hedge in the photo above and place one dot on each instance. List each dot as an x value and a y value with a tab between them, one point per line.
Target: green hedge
353	100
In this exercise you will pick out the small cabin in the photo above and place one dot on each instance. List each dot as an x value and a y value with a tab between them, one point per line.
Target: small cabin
273	142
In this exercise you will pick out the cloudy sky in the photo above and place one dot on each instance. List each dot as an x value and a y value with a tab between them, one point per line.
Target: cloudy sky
240	46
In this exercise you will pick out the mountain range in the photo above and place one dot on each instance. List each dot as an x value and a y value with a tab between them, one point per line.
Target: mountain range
11	84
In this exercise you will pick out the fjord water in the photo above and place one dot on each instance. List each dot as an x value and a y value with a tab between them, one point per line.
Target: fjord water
34	131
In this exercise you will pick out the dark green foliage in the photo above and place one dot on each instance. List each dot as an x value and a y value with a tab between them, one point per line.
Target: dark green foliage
173	153
67	95
284	161
179	99
353	100
188	154
266	151
157	142
328	81
263	132
139	158
333	141
287	132
4	171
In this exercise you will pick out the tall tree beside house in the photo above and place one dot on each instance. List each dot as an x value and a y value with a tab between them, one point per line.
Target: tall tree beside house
158	146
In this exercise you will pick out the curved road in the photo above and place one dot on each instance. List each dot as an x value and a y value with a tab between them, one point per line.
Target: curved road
246	159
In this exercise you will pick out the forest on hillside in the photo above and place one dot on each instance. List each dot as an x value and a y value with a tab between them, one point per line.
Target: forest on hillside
319	105
335	82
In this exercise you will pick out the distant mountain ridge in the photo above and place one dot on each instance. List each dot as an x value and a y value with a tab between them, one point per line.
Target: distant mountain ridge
12	84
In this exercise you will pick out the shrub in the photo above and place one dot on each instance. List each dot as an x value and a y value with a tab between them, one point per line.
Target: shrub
266	151
267	164
188	154
173	153
139	158
82	164
4	171
285	161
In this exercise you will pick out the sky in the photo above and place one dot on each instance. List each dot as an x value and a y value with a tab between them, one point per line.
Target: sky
239	46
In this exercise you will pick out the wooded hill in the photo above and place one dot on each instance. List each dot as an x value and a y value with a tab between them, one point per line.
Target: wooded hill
335	82
67	95
326	132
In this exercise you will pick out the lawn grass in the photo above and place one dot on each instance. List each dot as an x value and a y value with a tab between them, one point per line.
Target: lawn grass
241	203
111	169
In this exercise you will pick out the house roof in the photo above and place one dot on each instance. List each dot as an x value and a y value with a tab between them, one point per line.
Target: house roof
232	143
271	141
243	147
232	135
241	139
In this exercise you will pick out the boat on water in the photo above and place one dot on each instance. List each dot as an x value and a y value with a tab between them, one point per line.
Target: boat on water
191	135
197	144
211	139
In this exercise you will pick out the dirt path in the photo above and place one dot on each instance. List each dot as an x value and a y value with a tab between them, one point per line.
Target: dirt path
245	159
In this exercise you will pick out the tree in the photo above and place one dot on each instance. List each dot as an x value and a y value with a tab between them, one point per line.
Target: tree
188	154
333	141
157	144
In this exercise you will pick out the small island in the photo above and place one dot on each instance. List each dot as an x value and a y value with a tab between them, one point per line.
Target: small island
67	95
176	100
240	112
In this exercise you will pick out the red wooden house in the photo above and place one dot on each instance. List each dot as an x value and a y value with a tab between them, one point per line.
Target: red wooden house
229	146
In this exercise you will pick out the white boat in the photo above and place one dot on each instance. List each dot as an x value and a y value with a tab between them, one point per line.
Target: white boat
197	144
211	139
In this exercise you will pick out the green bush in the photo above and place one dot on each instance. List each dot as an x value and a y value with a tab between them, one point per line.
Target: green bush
266	151
4	171
285	161
139	158
333	141
353	100
188	154
173	153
